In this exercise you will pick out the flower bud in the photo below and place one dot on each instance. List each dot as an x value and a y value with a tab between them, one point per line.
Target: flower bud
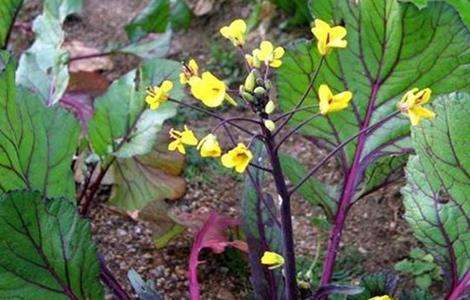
269	108
250	82
247	96
260	91
267	84
269	124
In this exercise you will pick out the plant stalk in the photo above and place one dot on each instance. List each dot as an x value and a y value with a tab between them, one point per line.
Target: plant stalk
108	278
459	290
353	177
286	218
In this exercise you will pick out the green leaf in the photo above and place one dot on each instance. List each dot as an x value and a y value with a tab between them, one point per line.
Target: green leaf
43	68
392	47
423	281
437	190
36	143
46	250
60	9
123	132
314	191
180	14
144	182
460	5
8	11
154	18
154	46
378	284
122	124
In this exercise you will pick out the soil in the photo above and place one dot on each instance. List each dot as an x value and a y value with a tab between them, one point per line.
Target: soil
375	227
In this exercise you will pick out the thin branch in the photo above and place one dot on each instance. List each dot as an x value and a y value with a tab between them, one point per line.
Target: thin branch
108	278
304	96
89	56
209	113
281	116
229	120
296	129
339	147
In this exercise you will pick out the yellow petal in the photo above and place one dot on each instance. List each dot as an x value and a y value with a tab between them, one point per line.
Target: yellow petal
227	160
337	33
424	96
324	95
183	78
225	31
321	29
276	63
188	137
192	64
338	43
414	118
385	297
238	25
272	259
266	47
278	52
166	86
423	112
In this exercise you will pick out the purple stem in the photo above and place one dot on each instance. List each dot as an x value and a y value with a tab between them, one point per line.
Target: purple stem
458	290
108	278
348	193
286	219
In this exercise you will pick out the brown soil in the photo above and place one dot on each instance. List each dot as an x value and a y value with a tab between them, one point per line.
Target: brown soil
375	227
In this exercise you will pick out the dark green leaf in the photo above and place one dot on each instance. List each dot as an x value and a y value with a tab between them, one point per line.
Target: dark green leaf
314	191
36	143
153	46
154	18
460	5
392	47
8	11
46	250
377	285
437	190
423	281
180	14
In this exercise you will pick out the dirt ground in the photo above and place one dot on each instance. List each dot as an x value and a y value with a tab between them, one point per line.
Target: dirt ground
375	226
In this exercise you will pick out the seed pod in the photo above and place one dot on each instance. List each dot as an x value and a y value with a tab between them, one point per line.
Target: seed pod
259	91
269	124
250	82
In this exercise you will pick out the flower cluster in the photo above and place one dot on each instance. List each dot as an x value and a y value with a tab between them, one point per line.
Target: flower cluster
255	92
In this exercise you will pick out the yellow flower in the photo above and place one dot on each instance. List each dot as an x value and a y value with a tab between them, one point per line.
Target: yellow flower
181	138
210	90
268	54
385	297
411	105
238	158
209	146
331	103
158	94
189	70
272	259
328	37
235	32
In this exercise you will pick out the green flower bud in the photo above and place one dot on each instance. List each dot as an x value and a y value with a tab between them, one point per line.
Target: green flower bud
269	108
260	91
247	96
269	124
267	84
250	82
